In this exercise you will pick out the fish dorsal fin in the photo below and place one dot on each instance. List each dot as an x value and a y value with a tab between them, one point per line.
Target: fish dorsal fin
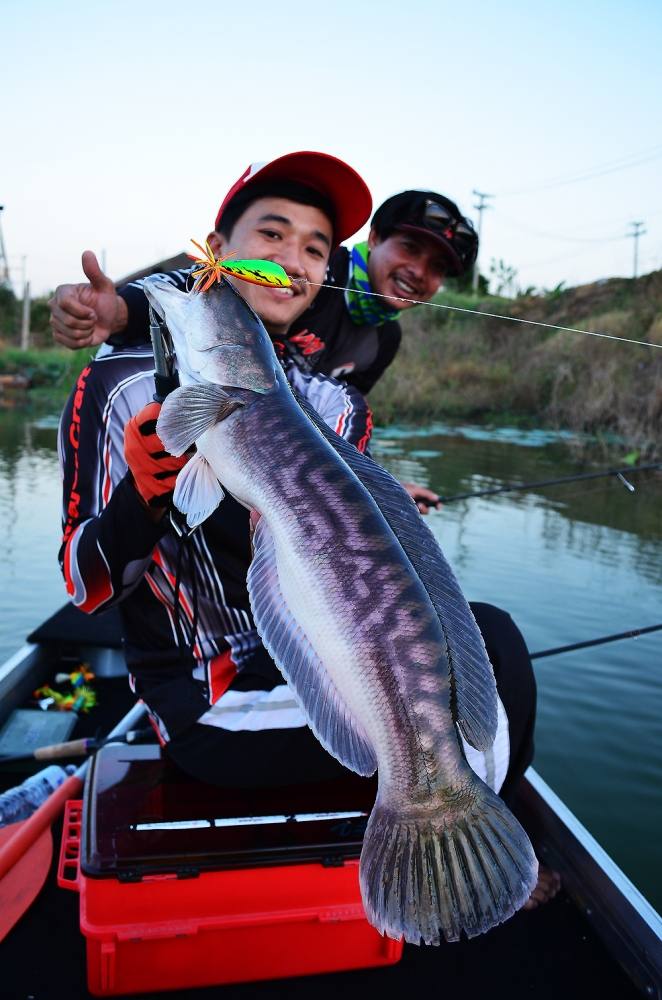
197	490
191	410
475	694
327	714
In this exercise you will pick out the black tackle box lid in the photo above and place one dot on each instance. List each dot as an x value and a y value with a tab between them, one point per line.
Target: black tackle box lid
143	815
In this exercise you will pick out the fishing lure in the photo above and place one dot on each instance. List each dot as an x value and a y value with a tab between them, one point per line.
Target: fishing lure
209	269
80	700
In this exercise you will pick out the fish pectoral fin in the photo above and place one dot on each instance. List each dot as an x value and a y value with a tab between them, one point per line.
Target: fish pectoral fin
197	490
191	410
328	716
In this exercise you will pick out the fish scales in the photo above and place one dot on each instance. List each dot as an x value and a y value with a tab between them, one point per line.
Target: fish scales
350	600
347	575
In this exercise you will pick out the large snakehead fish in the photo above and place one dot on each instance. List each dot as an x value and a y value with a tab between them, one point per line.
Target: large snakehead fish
356	604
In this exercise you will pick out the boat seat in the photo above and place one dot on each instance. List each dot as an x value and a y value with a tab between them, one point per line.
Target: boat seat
71	625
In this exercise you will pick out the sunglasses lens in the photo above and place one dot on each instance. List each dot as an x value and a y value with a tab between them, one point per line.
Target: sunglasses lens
436	217
465	236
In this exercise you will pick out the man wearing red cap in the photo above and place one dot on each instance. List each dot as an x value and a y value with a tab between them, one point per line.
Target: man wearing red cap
350	329
187	623
188	630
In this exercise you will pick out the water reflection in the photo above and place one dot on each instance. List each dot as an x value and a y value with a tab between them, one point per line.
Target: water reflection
30	583
570	563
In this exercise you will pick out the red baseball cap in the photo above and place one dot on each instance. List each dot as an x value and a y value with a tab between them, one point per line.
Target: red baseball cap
335	180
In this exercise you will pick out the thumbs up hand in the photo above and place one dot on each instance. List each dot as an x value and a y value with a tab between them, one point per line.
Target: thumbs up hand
86	314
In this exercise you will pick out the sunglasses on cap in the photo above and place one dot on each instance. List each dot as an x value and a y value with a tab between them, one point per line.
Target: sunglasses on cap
441	221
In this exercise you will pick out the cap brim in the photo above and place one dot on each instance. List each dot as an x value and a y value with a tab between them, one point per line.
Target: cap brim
450	253
336	180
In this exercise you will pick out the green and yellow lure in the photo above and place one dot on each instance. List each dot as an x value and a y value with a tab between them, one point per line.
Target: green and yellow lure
209	269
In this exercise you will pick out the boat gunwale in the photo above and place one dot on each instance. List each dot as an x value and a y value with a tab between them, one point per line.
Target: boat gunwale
627	924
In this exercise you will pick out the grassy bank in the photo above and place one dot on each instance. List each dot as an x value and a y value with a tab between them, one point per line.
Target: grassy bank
43	367
453	364
50	374
457	365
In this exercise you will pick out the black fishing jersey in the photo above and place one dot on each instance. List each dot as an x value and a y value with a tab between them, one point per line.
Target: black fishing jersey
324	339
182	653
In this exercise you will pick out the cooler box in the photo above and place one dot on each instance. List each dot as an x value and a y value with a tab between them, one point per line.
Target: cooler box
183	884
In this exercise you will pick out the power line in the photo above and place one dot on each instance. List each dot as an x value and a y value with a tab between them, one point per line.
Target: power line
635	160
561	237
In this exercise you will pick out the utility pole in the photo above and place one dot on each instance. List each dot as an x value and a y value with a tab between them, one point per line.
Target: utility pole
637	231
482	204
5	281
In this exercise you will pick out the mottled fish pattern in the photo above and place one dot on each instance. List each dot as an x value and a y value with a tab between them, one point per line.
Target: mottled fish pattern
356	604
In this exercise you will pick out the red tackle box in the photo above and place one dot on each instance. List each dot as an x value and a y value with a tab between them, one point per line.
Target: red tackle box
183	884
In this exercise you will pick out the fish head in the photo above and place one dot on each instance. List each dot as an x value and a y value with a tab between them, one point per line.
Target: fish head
217	336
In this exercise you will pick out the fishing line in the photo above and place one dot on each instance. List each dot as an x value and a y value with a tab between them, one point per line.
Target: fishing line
478	312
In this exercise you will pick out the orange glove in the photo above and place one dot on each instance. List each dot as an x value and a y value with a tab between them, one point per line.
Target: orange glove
153	469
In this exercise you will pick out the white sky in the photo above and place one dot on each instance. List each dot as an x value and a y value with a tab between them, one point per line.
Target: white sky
125	123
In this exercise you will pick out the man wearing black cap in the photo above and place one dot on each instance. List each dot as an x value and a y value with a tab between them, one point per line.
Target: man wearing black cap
417	239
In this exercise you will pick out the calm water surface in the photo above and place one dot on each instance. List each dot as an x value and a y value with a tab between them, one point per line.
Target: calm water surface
569	563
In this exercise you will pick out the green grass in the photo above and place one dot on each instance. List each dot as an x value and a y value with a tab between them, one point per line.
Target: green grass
455	364
44	367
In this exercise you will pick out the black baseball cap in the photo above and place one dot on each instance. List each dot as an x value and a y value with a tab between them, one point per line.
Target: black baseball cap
436	217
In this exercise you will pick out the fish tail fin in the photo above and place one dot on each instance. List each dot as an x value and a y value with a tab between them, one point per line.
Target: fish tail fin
424	877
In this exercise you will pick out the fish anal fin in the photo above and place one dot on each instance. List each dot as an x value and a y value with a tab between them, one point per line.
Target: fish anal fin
328	716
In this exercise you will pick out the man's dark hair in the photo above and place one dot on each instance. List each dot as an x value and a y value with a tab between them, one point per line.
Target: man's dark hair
292	190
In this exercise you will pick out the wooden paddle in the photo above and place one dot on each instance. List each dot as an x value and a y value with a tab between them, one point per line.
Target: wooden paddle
26	848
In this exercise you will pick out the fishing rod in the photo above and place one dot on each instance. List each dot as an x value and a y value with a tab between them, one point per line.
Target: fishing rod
619	473
25	857
77	748
166	379
631	634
